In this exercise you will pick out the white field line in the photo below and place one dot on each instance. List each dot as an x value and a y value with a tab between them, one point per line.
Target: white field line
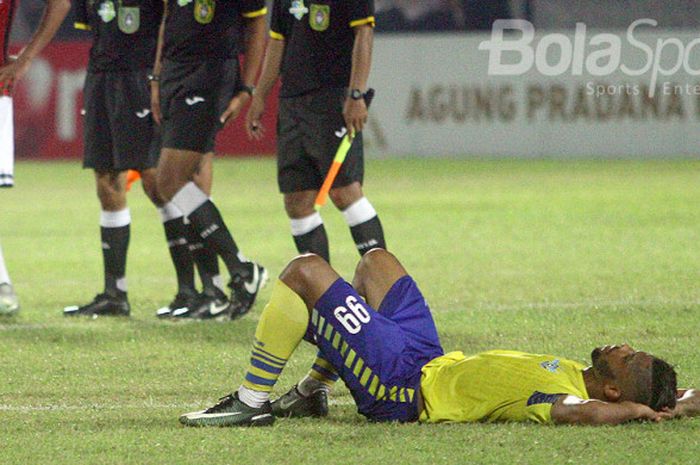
127	406
485	307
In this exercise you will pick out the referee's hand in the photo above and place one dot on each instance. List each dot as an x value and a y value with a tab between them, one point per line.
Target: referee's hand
253	126
234	108
355	115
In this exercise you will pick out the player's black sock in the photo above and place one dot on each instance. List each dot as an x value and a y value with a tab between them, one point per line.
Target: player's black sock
209	225
176	235
115	242
205	258
368	235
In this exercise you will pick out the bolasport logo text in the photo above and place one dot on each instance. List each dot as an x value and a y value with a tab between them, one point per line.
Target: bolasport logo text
514	50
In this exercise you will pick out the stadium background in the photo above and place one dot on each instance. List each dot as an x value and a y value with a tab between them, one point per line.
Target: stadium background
429	103
544	255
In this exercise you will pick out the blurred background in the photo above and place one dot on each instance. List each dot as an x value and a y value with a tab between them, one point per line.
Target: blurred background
436	94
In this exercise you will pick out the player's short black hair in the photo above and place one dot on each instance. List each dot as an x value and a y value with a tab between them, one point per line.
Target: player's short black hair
663	385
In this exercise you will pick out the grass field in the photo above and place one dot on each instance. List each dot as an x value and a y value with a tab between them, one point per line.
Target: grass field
540	256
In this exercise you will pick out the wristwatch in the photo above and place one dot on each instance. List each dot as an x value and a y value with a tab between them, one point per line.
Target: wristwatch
250	90
355	94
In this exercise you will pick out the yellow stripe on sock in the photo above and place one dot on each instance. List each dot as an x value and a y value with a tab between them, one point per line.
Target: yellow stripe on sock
314	317
411	394
344	348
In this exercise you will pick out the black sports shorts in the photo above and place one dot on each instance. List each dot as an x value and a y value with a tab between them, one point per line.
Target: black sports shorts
192	98
118	129
309	131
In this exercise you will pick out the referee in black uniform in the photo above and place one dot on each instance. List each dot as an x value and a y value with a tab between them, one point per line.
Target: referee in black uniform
197	87
119	135
323	50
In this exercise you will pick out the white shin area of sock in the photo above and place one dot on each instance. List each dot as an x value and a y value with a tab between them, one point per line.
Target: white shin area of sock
359	212
255	399
301	226
189	198
4	275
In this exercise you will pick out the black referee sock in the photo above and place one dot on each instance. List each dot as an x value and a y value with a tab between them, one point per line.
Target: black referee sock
365	227
176	235
209	225
205	258
368	235
314	241
115	242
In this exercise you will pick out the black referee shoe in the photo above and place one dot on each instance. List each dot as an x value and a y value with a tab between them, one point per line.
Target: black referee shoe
245	287
103	305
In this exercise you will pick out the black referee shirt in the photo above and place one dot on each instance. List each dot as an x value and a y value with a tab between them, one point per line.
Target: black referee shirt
124	32
319	38
202	30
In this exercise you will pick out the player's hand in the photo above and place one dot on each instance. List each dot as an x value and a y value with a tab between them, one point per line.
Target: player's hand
155	102
688	404
648	414
234	108
253	126
12	72
355	115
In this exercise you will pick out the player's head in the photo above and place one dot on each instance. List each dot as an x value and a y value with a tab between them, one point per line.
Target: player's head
626	374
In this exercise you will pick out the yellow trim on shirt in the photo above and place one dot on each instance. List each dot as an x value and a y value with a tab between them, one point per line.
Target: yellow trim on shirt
82	26
255	14
361	22
276	35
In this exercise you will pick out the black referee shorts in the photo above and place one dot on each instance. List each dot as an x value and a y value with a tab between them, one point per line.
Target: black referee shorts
118	129
193	96
308	135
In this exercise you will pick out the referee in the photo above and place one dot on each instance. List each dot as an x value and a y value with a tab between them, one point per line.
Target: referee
197	86
323	52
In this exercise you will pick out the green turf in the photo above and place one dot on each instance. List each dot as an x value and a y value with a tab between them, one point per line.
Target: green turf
541	256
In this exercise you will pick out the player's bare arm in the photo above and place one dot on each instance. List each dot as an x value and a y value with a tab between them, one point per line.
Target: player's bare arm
55	12
268	79
688	404
574	411
157	66
355	109
255	30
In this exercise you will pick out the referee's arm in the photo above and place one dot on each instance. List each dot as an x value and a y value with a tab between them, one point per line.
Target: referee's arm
355	111
268	78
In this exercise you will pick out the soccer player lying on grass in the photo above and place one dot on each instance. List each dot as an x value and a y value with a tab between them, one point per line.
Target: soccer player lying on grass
393	364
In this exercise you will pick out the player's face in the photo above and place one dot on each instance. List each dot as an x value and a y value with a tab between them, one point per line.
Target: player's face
621	363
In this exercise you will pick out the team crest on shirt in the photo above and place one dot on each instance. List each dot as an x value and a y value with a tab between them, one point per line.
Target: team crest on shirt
107	11
298	10
204	11
129	19
320	17
551	366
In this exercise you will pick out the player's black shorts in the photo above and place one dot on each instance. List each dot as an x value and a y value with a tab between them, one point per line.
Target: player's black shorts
118	127
309	131
193	96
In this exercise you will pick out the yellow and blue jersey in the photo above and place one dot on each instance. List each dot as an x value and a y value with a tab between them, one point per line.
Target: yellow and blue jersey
499	385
